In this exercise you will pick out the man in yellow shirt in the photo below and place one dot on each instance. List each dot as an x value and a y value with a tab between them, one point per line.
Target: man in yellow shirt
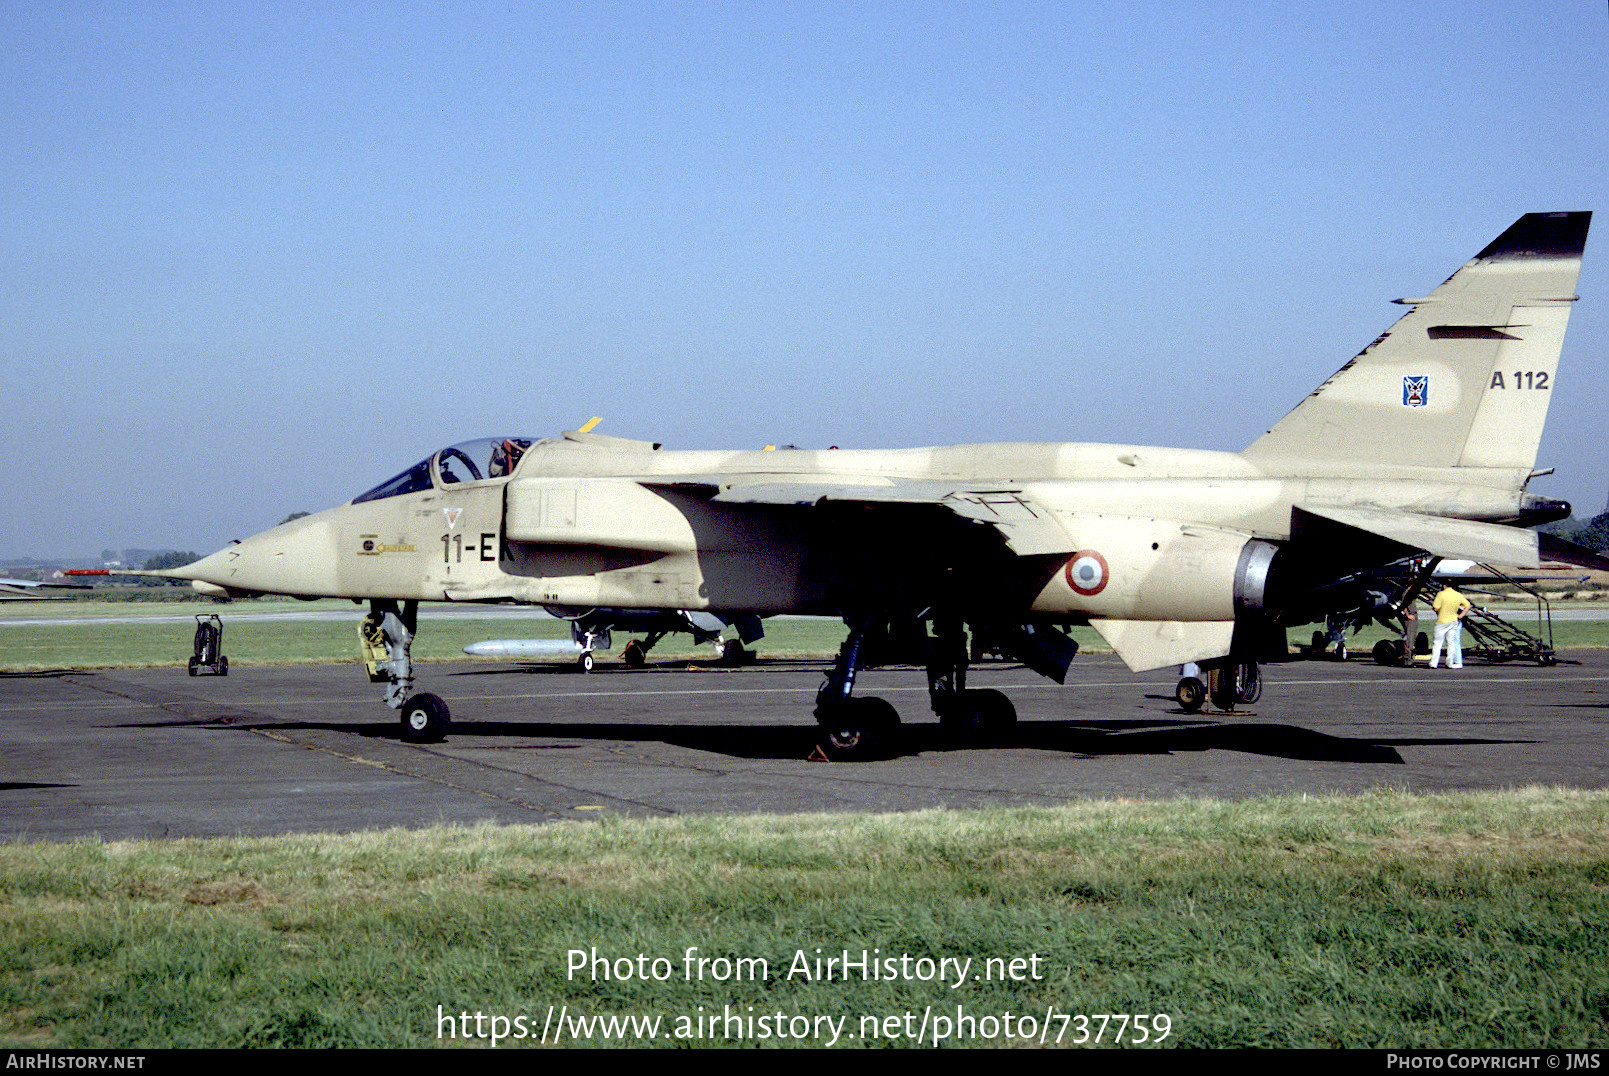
1450	608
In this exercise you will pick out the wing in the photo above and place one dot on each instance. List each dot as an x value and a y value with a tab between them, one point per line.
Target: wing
1025	526
24	590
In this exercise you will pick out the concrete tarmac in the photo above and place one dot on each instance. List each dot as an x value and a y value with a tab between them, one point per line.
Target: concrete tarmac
153	753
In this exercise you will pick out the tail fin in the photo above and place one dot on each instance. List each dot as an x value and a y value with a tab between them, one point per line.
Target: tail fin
1464	378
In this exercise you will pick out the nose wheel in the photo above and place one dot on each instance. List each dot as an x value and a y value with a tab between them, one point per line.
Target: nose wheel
425	718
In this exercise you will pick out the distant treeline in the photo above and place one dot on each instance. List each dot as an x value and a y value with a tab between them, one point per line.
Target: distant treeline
1594	533
171	559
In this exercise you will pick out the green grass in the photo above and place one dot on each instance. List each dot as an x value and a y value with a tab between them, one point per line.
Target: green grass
1465	920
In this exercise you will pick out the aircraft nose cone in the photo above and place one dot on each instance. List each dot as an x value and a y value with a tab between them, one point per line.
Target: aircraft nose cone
296	558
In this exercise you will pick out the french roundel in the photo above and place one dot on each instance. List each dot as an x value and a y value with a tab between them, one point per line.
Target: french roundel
1087	572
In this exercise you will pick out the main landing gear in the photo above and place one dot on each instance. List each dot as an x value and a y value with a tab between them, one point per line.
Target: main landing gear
1227	686
388	632
859	728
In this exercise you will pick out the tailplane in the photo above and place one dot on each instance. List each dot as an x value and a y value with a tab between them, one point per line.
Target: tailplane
1465	377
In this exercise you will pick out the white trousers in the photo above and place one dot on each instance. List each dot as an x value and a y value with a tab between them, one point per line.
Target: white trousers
1453	635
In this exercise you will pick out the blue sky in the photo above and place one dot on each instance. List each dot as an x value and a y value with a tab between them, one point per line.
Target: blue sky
254	258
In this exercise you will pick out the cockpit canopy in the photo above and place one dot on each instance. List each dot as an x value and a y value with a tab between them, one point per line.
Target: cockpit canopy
471	461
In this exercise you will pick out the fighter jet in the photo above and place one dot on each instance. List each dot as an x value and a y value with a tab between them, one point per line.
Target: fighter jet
1424	443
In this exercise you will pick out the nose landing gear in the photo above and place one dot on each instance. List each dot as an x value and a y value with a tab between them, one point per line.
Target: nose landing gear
388	633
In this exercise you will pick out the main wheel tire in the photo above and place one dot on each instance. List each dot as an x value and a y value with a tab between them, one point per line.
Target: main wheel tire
1388	652
858	729
980	714
1249	682
1222	687
634	655
1234	685
999	713
425	718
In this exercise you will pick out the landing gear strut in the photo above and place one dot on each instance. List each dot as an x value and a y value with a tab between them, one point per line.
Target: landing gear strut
392	627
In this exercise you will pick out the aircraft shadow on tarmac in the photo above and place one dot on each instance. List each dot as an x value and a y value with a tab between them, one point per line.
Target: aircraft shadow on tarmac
1092	739
1080	739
